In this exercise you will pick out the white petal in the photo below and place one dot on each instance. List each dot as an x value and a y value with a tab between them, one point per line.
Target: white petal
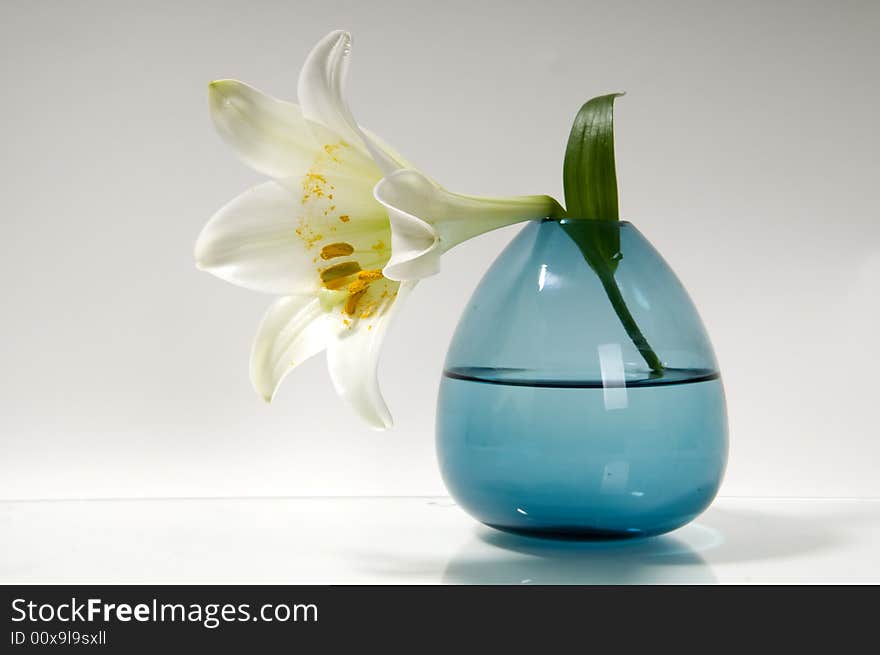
427	220
252	242
353	358
415	244
294	329
269	135
321	93
271	238
415	248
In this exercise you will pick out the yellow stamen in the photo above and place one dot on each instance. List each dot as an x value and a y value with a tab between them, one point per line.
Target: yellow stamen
332	250
351	304
339	271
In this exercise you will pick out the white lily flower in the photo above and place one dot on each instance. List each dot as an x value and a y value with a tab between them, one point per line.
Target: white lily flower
318	237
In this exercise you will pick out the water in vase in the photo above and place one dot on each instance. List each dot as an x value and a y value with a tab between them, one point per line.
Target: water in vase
572	458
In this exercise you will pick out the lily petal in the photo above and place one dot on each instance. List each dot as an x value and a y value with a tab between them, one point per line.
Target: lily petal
415	244
427	220
353	357
269	135
252	242
321	93
294	329
271	237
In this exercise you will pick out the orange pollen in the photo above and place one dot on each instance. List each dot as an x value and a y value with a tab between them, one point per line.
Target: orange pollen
345	218
364	278
352	302
313	184
332	250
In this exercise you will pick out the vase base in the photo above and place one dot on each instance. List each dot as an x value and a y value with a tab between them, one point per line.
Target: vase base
574	534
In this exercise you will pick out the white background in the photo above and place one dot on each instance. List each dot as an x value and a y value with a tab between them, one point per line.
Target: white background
747	152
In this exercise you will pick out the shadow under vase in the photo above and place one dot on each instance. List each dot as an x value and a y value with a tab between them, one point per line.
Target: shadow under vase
494	557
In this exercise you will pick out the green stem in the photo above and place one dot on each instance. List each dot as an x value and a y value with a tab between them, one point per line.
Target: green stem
629	323
599	243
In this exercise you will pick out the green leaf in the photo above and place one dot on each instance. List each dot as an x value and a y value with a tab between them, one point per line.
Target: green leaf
592	216
590	181
589	175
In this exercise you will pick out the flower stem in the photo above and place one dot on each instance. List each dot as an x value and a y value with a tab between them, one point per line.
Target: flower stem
599	243
629	323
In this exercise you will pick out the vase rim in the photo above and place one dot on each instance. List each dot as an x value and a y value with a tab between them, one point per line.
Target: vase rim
593	220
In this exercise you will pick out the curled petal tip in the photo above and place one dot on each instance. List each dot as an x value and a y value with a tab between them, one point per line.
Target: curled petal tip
197	260
382	421
408	196
353	359
340	35
321	94
206	253
339	38
291	332
200	251
216	87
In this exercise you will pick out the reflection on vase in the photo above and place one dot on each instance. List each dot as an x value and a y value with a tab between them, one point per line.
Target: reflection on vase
550	422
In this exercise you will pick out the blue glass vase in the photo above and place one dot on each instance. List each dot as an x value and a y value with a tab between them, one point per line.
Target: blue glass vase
551	423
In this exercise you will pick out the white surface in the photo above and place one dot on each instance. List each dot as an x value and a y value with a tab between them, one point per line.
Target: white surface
747	150
422	540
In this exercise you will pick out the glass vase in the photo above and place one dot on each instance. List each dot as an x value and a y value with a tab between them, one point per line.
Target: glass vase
550	422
